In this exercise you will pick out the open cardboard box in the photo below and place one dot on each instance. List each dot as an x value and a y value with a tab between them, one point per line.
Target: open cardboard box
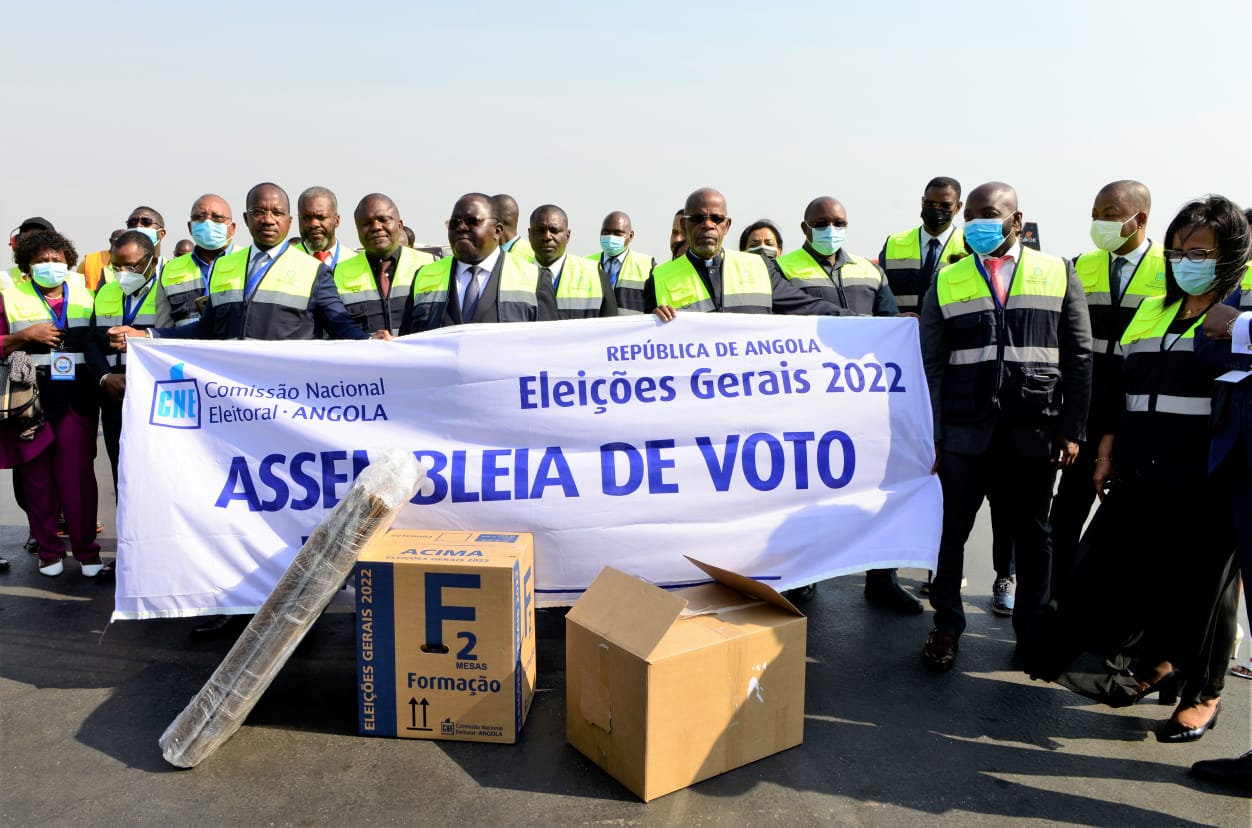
664	689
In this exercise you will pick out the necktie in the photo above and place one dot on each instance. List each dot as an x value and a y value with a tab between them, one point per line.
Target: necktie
997	281
543	271
615	267
932	259
469	302
384	279
1115	279
324	256
258	261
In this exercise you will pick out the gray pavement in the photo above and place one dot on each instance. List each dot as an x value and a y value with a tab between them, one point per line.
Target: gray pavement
82	704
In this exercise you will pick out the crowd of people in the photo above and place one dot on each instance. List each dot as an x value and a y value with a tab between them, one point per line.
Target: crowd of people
1126	371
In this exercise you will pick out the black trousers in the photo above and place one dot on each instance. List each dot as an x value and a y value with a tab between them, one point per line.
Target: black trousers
111	425
1023	487
1071	507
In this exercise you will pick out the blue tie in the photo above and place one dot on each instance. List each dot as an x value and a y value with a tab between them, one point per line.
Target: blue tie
615	267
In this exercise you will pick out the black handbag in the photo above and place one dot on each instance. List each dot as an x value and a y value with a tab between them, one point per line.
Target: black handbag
19	395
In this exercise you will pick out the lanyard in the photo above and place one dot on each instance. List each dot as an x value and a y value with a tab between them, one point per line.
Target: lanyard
255	278
128	312
334	260
58	319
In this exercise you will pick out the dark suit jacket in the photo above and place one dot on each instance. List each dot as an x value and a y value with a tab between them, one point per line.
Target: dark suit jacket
1232	402
1074	339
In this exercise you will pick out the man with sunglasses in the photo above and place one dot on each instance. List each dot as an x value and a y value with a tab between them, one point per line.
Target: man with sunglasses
697	281
1125	268
479	282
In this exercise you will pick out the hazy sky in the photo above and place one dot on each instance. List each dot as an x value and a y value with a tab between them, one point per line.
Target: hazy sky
630	106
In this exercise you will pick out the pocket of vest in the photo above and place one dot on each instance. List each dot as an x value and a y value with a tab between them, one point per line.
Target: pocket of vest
1039	394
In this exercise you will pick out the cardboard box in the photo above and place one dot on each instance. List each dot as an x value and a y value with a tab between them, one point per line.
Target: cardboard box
664	689
446	635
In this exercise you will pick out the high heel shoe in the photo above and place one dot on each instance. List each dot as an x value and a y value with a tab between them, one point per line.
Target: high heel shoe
1166	687
1173	732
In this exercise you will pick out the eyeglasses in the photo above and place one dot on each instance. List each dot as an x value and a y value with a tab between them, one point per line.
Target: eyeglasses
139	268
1193	255
821	224
262	212
210	217
469	221
702	218
141	221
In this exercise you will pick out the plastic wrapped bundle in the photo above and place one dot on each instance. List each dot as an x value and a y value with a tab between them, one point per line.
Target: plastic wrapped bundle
318	571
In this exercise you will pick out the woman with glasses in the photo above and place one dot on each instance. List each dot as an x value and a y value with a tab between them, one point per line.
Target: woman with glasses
1156	589
47	315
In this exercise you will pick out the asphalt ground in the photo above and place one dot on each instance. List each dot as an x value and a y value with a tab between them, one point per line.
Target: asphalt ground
83	702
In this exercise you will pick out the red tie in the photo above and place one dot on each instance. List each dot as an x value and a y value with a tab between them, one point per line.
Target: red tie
384	280
997	281
323	256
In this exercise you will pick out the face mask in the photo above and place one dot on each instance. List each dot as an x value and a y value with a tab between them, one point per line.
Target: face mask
766	250
49	274
130	281
1107	235
612	245
209	235
1195	278
936	218
984	235
150	232
827	240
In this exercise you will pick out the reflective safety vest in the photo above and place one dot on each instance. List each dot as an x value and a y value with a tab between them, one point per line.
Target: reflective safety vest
23	308
861	281
631	281
110	310
516	295
1245	290
1003	359
903	259
359	289
277	309
95	269
521	248
1108	317
746	286
181	284
579	292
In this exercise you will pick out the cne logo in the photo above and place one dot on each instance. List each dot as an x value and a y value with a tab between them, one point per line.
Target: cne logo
175	401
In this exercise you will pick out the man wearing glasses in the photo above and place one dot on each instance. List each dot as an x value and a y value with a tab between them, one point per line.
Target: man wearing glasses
709	279
479	282
184	281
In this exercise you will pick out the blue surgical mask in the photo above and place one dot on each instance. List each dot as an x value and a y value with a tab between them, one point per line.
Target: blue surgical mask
984	235
150	232
827	240
612	245
210	235
1195	278
49	274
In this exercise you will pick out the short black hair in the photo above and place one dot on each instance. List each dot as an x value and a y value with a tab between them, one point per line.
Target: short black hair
758	225
942	182
549	208
493	208
160	218
248	198
136	238
34	242
1230	229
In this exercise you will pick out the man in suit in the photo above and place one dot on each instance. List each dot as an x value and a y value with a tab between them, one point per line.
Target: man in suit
1006	341
510	214
1226	338
582	290
317	215
913	257
627	269
479	282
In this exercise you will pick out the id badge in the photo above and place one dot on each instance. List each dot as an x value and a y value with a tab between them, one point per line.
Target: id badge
62	366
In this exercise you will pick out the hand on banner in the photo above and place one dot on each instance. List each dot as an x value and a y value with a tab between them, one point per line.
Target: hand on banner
665	313
118	335
114	386
910	315
1064	452
384	335
1217	321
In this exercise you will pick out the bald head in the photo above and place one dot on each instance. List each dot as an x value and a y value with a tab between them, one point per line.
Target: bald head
508	211
993	191
822	205
1132	194
615	221
706	222
214	210
1120	216
993	201
702	196
211	207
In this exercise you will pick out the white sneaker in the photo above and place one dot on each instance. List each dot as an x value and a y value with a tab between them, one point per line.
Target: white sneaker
92	570
1003	592
52	569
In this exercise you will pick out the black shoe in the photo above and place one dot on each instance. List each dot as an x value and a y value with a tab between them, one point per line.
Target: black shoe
939	653
802	594
216	627
1234	772
31	546
1173	733
893	597
4	564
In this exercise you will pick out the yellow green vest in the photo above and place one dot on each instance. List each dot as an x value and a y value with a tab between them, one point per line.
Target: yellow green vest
631	281
516	295
1109	319
579	292
903	259
746	285
277	309
359	291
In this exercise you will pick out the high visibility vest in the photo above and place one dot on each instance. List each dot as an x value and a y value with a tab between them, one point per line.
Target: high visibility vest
521	248
24	307
516	295
359	290
1006	360
181	284
95	269
631	281
861	280
903	259
579	292
110	310
1109	318
1245	290
277	309
746	286
343	254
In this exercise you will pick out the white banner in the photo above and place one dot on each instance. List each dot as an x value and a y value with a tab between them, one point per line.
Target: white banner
790	449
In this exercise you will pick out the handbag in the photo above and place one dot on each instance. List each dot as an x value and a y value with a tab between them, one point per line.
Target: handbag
19	395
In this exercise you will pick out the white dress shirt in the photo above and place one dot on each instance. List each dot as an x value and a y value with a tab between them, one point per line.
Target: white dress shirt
464	274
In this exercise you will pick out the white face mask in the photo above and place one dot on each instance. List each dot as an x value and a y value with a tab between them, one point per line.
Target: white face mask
130	281
1107	235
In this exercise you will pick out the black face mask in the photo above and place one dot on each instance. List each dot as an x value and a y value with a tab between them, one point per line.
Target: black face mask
936	218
